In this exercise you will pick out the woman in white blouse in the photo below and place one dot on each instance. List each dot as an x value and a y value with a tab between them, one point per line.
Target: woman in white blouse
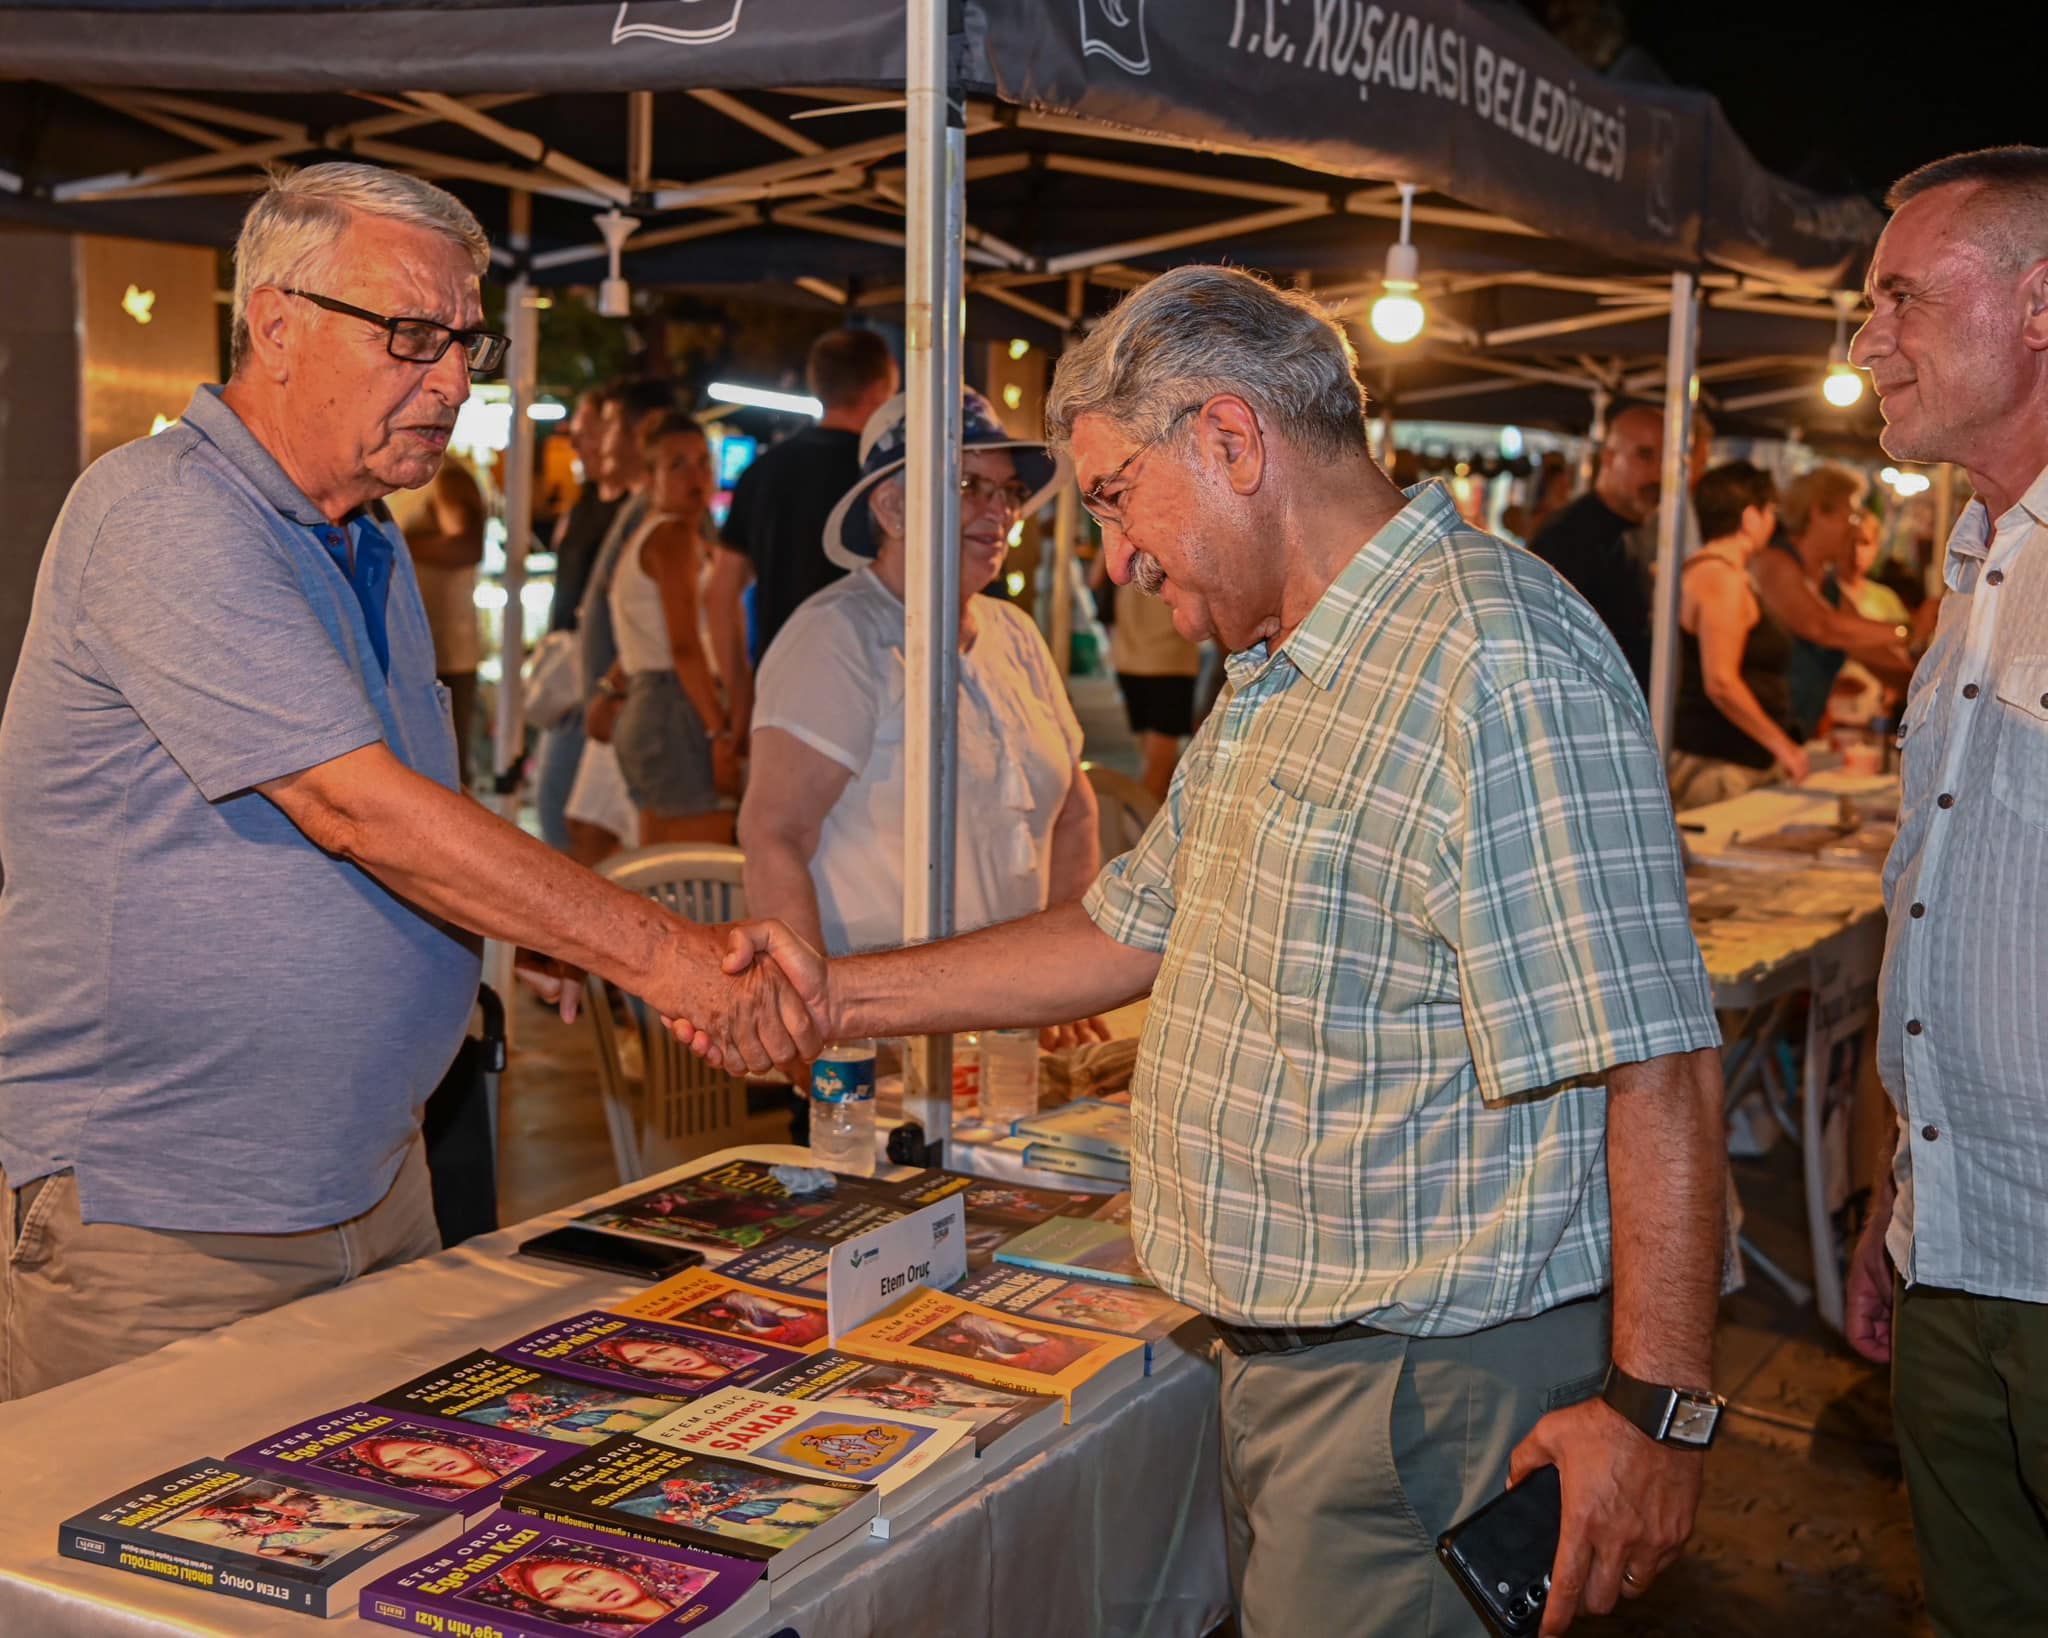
822	823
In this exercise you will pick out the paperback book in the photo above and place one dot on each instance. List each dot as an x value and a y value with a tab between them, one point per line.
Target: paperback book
635	1487
514	1577
486	1391
791	1267
939	1330
734	1206
915	1461
390	1456
289	1543
1087	1125
1085	1246
1006	1424
705	1300
645	1355
1052	1157
1138	1312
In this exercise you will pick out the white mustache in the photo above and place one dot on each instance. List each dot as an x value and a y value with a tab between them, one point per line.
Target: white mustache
1146	574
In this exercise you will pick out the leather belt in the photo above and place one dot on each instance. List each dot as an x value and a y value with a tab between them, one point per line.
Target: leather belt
1254	1339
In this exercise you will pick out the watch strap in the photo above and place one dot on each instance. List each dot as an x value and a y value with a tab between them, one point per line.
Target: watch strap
1668	1415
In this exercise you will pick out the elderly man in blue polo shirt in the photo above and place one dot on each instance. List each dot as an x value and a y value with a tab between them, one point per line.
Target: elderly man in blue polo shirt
1427	1116
238	927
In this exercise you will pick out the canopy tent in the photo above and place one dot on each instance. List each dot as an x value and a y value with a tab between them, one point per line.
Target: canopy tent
1065	149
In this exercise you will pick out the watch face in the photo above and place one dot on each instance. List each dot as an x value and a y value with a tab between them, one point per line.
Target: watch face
1692	1422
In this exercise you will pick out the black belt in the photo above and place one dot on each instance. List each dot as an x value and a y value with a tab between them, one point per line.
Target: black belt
1255	1339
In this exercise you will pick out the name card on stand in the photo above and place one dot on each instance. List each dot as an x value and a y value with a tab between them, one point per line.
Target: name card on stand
872	1271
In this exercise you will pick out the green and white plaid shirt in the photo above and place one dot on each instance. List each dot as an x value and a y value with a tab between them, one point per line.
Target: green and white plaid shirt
1417	886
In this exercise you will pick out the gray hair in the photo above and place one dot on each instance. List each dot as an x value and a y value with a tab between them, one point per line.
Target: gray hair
289	237
1198	331
2008	208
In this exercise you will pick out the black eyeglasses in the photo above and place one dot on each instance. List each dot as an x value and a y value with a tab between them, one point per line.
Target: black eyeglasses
1107	510
422	341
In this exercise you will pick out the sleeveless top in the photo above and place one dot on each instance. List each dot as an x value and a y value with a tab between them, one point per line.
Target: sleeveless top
1698	725
639	622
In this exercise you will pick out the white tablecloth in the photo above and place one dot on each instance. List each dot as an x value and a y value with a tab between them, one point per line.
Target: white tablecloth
1114	1528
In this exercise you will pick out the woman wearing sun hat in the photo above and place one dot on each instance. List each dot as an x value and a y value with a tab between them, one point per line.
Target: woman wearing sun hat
822	823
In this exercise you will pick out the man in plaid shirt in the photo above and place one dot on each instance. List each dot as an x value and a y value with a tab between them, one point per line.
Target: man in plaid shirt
1427	1115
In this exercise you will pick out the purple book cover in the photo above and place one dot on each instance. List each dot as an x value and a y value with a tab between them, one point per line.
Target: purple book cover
528	1578
425	1460
646	1355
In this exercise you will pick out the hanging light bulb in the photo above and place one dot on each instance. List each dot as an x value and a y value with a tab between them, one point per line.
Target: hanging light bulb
614	296
1398	316
1843	384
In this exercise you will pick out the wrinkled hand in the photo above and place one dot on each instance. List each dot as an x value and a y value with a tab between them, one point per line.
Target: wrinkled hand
790	983
555	982
1868	1320
1061	1037
1628	1506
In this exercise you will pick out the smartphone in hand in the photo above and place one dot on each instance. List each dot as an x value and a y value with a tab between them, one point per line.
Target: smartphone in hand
1500	1555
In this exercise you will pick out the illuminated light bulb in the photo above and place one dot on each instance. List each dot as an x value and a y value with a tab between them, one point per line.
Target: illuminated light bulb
1019	347
1014	581
1013	396
1843	385
1889	475
1397	317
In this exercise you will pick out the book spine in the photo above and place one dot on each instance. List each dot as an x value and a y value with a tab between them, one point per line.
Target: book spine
1071	1271
189	1566
1076	1164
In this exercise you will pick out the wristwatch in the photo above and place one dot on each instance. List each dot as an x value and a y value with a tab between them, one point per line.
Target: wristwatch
1672	1416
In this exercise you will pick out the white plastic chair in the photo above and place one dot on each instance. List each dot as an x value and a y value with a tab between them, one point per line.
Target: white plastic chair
678	1105
1123	808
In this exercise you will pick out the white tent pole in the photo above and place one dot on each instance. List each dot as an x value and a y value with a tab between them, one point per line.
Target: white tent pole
1066	527
522	364
935	180
1681	394
508	738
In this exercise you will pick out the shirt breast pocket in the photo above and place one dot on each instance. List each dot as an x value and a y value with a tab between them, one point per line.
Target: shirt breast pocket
1286	903
2019	774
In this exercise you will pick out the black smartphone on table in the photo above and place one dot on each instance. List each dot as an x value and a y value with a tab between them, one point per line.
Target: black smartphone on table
610	1253
1500	1555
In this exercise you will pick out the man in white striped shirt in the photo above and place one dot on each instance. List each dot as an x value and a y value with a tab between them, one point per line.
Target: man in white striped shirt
1957	347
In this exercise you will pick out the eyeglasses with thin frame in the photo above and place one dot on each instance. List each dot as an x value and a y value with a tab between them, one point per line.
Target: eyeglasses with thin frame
1107	510
979	491
421	341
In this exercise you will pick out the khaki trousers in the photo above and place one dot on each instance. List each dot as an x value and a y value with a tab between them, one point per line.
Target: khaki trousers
76	1297
1970	1401
1343	1463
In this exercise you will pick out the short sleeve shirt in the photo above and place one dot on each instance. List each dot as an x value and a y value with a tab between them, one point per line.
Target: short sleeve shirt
778	518
216	1025
834	680
1417	886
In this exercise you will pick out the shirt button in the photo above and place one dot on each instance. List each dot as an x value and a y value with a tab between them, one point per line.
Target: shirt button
1930	1133
1918	911
1945	800
1970	691
1913	1026
1995	578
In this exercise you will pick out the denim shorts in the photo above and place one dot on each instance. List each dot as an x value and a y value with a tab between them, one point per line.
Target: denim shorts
663	749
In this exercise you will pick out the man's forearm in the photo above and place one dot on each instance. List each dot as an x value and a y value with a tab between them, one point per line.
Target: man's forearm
451	856
1049	968
1667	1183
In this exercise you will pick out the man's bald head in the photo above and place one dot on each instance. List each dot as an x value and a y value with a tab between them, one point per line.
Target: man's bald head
1632	462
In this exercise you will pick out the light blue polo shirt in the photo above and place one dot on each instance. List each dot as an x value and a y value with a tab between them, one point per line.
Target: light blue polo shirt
217	1025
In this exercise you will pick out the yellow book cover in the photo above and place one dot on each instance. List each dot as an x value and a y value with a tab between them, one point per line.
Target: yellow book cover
708	1301
937	1329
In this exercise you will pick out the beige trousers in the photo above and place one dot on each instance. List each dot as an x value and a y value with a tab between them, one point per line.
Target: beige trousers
76	1297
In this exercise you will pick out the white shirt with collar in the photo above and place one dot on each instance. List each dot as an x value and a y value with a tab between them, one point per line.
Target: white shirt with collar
1963	1030
834	679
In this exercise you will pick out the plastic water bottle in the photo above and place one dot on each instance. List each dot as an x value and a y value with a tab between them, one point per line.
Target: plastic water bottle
1009	1075
843	1108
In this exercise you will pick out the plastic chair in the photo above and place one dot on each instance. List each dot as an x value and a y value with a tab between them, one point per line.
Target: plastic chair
678	1103
1123	808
